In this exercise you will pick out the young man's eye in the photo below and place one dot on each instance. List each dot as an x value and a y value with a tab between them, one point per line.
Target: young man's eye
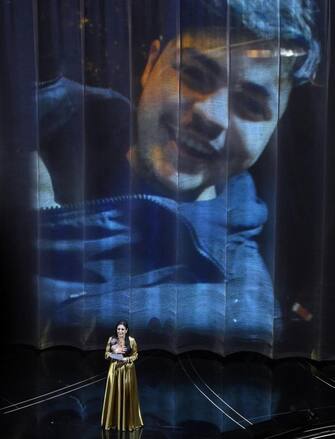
196	78
250	108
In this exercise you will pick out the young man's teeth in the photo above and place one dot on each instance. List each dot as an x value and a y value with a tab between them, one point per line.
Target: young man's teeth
191	143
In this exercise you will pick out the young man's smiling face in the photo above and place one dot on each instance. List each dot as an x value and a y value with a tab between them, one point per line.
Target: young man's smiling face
206	113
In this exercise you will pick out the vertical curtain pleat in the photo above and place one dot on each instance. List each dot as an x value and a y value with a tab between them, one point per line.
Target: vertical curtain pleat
18	136
325	337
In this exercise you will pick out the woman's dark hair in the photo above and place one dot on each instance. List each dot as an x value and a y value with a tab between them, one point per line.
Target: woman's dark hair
127	342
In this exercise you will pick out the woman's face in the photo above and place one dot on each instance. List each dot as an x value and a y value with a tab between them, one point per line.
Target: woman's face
121	331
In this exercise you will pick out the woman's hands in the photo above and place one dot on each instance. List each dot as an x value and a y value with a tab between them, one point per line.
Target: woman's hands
118	349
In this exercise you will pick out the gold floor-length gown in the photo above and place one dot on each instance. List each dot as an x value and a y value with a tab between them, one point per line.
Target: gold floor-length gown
121	408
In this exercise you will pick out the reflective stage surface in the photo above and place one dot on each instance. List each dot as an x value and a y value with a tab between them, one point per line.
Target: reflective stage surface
57	393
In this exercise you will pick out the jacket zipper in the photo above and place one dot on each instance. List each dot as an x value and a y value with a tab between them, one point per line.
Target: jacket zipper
104	203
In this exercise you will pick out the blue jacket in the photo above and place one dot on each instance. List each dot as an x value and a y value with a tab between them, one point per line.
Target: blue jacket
185	275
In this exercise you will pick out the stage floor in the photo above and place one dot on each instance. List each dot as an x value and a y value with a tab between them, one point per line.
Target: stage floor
57	393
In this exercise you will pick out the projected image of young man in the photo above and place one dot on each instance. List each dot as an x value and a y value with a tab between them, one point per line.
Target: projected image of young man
211	98
189	104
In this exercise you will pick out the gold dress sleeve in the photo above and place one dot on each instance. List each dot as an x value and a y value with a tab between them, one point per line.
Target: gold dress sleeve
108	349
134	354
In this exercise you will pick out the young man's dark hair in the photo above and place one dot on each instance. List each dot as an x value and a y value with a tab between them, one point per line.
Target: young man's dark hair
291	22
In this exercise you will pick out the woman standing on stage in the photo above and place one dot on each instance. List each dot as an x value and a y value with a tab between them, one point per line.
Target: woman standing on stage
121	408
